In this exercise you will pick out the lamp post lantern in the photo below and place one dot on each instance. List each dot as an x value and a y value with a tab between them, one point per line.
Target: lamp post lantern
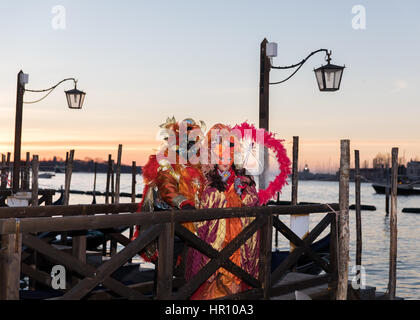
329	76
75	99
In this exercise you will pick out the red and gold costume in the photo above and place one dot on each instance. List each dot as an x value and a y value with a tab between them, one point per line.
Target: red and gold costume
177	185
225	189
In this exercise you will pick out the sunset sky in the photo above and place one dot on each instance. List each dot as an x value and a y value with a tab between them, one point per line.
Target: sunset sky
142	61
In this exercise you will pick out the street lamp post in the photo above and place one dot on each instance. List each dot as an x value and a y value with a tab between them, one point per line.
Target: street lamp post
329	79
75	99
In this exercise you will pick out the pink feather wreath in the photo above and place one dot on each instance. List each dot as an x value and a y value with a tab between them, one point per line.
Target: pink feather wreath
283	160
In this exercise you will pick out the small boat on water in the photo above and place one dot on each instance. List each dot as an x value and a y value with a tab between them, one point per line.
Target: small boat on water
46	175
402	189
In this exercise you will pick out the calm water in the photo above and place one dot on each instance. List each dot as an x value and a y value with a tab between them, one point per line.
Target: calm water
375	226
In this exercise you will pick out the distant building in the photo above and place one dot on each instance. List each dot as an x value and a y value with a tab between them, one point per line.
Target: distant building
413	170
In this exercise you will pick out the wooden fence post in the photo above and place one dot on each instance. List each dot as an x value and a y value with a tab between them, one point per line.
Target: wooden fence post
393	228
10	256
165	262
358	212
266	243
343	227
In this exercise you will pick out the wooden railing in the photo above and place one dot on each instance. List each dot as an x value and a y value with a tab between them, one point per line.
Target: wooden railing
19	228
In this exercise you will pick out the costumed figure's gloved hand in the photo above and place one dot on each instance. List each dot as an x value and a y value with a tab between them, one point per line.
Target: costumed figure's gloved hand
240	184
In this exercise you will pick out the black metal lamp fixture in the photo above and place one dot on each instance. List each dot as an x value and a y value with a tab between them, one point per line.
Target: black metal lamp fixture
75	97
329	76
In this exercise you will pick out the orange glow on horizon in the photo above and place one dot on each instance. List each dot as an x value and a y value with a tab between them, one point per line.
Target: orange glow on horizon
319	155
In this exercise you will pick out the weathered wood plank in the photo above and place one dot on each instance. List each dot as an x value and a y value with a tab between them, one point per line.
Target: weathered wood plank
392	284
33	225
358	213
71	210
266	239
10	261
165	262
343	223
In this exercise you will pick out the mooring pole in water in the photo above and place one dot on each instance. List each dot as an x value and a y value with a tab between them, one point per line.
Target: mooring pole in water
299	223
66	191
393	228
95	169
387	189
118	175
67	182
35	170
26	172
116	190
133	189
358	214
108	180
343	222
9	169
3	172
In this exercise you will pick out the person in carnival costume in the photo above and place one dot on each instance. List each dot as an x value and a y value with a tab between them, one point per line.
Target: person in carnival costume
227	185
170	179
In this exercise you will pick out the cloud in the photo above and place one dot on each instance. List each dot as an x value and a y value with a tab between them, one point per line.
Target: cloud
399	85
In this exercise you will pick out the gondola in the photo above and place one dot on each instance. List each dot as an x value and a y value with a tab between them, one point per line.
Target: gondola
402	189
